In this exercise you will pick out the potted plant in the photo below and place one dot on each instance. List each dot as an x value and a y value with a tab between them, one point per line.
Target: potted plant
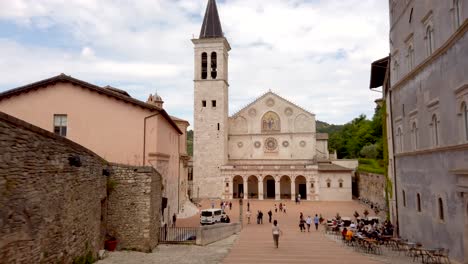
366	213
110	243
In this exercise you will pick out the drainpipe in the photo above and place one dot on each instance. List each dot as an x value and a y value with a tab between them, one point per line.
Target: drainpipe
397	224
144	136
178	176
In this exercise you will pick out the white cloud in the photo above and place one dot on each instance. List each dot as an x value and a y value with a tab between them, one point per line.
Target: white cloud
316	53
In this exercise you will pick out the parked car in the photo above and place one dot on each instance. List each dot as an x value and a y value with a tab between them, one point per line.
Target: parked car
210	216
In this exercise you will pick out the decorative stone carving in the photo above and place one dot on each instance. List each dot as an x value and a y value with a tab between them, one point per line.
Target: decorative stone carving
270	102
302	143
240	144
252	112
257	144
271	144
285	144
288	111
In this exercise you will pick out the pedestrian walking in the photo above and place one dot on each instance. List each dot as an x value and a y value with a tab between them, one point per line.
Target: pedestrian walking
281	207
269	216
316	221
276	233
230	205
276	209
261	217
248	217
299	198
212	204
301	222
284	208
308	222
174	219
258	217
248	206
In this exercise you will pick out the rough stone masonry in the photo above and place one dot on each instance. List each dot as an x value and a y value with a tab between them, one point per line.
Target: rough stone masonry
54	198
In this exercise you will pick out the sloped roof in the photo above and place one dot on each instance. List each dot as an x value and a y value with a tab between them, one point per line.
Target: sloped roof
267	94
378	71
179	119
332	167
105	91
211	27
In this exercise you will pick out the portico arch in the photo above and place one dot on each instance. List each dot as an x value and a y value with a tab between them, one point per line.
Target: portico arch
301	187
252	183
237	187
269	187
285	187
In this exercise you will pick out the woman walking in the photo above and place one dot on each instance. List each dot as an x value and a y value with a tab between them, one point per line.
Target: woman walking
276	233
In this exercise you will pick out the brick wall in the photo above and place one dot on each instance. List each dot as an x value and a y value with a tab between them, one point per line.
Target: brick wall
134	207
50	211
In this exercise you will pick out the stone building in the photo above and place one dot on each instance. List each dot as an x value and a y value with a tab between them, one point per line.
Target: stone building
107	120
268	150
57	203
426	93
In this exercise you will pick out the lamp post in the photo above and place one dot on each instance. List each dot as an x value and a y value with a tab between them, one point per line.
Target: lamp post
240	211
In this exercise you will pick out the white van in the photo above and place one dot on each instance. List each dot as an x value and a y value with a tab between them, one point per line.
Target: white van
210	216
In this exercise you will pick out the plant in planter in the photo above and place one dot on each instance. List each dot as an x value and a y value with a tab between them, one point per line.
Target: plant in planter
110	243
338	216
356	214
366	213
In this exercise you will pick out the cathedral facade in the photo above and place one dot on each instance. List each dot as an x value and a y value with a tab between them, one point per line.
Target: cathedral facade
267	150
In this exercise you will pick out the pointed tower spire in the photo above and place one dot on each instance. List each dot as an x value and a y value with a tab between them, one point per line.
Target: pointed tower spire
211	27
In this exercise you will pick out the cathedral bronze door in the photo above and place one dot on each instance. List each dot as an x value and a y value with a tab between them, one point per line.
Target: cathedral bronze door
303	191
270	189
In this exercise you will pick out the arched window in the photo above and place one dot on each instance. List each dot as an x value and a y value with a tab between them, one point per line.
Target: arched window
465	119
271	122
204	65
214	65
435	130
328	183
441	209
404	198
341	183
400	140
414	132
457	13
429	40
410	57
418	202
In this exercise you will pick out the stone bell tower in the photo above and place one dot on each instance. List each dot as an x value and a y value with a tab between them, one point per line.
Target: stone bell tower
210	146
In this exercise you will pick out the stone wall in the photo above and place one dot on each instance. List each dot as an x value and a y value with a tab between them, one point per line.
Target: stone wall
210	234
54	210
134	207
50	211
372	187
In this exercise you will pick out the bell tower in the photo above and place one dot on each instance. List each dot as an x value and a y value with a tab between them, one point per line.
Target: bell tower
210	146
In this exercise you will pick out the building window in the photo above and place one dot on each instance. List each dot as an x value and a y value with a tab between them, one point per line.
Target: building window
435	130
441	209
227	184
214	65
213	103
457	13
341	183
400	140
204	103
410	57
218	126
60	125
414	132
204	65
429	40
328	183
396	69
404	199
312	185
190	174
418	202
465	119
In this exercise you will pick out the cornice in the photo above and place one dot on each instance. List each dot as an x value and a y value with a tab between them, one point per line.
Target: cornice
434	150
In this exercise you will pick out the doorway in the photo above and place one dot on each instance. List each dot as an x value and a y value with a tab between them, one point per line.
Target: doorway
240	190
303	191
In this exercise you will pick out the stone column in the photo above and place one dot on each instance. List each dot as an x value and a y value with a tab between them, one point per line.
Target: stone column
246	188
309	194
277	190
260	188
231	188
317	188
293	189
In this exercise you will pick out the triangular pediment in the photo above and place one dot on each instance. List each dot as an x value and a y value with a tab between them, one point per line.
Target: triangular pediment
261	99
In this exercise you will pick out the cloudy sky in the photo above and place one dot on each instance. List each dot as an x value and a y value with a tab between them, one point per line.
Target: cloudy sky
316	53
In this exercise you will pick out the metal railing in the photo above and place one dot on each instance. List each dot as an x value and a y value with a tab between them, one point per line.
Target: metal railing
178	235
